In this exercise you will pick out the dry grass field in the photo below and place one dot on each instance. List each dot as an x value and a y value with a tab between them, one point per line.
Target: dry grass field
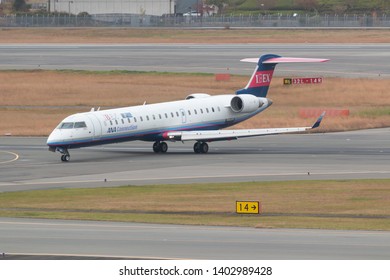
34	102
347	204
209	36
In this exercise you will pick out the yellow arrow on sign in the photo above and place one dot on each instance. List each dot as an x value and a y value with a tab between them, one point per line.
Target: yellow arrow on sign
247	207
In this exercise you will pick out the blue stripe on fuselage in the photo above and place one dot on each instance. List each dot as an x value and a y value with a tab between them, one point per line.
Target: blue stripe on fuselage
148	135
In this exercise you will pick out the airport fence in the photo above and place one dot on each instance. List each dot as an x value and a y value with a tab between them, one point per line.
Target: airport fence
255	20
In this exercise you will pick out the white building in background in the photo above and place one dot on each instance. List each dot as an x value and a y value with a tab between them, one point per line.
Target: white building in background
94	7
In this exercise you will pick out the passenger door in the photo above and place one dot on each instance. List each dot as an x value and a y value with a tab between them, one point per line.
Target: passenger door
96	126
183	116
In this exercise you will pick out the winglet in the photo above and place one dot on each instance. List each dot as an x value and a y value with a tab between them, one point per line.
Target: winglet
319	120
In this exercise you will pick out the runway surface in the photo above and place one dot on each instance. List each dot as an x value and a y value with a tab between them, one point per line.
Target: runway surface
151	241
347	60
26	164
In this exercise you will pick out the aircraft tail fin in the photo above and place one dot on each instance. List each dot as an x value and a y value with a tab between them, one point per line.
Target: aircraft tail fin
261	78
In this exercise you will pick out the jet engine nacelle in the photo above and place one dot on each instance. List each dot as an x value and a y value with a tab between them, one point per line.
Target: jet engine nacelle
197	95
245	103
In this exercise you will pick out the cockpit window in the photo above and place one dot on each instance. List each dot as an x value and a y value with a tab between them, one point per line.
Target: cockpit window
66	125
70	125
79	125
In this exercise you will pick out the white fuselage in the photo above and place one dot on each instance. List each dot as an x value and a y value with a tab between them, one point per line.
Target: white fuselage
198	118
149	122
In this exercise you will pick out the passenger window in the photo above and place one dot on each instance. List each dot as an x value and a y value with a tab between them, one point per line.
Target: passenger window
166	115
159	115
195	112
123	121
219	109
154	117
212	108
141	119
189	112
116	121
201	110
172	115
110	122
135	119
147	118
177	113
128	120
207	110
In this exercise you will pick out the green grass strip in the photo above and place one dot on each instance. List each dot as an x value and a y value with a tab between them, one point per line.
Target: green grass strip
331	204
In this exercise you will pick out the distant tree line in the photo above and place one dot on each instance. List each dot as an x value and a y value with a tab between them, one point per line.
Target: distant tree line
315	6
273	6
20	6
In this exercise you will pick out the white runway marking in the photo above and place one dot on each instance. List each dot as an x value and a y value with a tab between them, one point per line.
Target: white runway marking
100	180
16	157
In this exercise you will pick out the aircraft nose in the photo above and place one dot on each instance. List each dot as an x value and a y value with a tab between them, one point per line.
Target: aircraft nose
54	137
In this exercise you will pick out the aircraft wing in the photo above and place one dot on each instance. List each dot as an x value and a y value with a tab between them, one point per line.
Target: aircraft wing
219	135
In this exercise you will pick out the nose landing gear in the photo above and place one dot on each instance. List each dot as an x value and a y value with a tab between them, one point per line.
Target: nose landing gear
65	154
65	158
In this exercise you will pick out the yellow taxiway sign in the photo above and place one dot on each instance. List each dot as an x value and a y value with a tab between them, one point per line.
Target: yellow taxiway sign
247	207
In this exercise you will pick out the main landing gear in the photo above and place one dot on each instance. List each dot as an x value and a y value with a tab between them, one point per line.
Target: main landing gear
160	147
201	148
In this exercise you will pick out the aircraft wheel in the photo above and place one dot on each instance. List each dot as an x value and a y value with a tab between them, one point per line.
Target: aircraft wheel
65	158
156	147
197	147
163	147
204	148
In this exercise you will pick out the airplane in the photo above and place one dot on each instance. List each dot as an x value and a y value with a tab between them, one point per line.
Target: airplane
200	117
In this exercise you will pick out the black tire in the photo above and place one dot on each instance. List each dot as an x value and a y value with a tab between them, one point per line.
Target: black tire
65	158
204	148
163	147
197	148
156	147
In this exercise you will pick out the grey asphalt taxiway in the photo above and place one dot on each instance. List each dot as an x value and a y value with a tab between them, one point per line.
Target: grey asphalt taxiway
346	60
41	239
26	164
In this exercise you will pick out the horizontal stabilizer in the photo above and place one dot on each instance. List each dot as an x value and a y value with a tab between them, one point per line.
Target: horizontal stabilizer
285	60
